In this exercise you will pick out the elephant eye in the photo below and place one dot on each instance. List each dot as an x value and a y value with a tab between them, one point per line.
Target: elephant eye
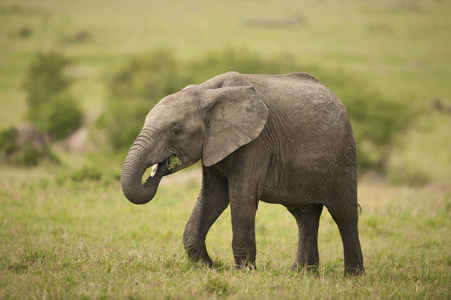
176	130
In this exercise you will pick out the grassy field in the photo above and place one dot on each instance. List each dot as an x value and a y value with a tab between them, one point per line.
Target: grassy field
67	232
64	237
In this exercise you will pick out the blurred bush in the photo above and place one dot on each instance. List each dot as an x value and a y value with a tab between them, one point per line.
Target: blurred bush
146	79
51	107
25	145
134	90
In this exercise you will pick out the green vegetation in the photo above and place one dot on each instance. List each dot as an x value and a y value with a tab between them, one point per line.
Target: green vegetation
174	161
66	230
142	83
50	105
23	153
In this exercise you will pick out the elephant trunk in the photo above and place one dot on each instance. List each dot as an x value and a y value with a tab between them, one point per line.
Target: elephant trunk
135	165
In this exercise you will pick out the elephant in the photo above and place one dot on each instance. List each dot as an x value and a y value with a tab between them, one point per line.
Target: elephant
284	139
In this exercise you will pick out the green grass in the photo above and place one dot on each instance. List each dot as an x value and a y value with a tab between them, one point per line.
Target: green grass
73	235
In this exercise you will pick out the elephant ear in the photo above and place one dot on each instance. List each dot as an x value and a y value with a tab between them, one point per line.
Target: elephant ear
235	116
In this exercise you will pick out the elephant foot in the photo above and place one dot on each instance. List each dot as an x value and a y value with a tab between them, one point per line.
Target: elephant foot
206	262
202	263
354	271
309	269
199	256
242	264
246	266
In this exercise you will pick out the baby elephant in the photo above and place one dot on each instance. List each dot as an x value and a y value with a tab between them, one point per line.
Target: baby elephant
281	139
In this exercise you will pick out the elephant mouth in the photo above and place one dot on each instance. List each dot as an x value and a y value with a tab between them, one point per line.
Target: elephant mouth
164	168
158	171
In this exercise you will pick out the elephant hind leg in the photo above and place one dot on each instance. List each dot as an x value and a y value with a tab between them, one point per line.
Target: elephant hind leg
307	219
347	222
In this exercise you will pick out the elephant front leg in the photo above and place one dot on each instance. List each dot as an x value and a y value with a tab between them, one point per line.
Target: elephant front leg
243	242
244	199
212	201
194	245
245	188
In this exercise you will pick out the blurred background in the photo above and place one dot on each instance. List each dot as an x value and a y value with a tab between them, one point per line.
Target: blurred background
77	78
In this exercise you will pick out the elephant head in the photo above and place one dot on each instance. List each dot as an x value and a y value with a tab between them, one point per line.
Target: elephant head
199	122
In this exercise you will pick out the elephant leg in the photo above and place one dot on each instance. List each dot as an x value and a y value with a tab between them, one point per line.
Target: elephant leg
212	201
243	225
307	218
245	189
347	219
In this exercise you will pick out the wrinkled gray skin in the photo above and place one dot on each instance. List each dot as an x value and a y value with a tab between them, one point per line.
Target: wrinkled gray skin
281	139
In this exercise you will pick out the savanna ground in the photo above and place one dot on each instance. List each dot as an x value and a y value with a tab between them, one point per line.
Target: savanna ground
67	232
